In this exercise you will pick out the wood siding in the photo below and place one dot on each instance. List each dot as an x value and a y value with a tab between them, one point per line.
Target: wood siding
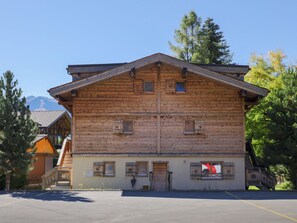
159	117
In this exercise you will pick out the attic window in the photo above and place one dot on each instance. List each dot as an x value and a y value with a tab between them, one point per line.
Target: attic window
180	87
128	126
148	86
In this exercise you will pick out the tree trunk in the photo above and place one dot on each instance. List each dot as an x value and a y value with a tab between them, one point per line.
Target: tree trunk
7	182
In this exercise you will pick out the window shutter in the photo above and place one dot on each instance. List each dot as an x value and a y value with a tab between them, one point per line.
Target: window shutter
199	127
138	86
170	86
195	171
228	171
98	168
189	127
118	126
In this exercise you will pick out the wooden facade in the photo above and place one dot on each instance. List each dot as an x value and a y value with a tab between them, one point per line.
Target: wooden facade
177	117
159	117
45	151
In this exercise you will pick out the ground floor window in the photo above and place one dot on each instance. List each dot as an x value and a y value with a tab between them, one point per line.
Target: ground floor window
106	169
139	169
211	170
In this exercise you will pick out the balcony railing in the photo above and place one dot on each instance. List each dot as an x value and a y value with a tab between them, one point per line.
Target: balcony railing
260	178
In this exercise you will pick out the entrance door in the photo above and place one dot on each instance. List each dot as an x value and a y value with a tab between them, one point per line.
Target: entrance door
160	176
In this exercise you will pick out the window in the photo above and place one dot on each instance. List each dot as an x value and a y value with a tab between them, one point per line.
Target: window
194	127
142	169
123	126
128	126
139	169
106	169
211	170
148	86
140	86
180	87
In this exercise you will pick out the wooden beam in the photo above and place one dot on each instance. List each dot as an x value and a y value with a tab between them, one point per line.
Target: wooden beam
159	108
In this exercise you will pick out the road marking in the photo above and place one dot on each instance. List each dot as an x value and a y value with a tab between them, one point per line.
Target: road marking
261	207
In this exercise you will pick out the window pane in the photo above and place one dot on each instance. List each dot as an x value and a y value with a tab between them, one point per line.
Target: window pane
128	126
141	168
212	170
148	86
180	87
189	126
130	169
109	169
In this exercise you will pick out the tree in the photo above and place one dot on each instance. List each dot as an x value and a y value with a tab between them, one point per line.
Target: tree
272	124
281	113
264	73
200	45
213	47
187	38
18	130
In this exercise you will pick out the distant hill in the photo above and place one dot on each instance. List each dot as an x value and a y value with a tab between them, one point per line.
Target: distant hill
40	103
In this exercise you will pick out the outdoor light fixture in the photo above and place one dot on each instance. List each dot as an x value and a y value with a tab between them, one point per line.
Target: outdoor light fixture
133	72
73	93
184	72
243	93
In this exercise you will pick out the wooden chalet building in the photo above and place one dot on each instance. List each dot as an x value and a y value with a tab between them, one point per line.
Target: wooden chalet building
166	123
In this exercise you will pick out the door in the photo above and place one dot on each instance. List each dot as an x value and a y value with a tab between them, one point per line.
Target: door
160	176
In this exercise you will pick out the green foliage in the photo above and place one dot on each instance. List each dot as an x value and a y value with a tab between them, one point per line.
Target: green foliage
198	44
264	73
272	125
18	130
187	37
287	185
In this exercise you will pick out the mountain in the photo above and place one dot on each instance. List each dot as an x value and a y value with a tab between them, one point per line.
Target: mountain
39	103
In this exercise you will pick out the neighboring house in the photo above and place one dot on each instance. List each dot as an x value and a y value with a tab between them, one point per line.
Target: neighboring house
54	127
45	152
158	123
55	124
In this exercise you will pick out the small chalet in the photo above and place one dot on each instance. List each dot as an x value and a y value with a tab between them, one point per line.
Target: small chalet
157	123
54	126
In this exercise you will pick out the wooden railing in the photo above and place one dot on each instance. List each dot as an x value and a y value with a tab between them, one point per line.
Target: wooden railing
260	178
56	176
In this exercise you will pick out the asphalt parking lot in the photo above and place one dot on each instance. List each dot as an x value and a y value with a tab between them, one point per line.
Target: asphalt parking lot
133	206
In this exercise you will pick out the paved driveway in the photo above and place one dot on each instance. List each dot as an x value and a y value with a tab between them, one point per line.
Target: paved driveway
129	206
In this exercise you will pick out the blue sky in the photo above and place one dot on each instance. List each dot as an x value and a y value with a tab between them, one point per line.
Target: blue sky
39	39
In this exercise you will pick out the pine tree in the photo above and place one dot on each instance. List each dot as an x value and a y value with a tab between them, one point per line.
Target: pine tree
204	45
17	130
213	48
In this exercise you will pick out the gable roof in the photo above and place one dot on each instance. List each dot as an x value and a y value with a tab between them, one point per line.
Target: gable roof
199	70
47	118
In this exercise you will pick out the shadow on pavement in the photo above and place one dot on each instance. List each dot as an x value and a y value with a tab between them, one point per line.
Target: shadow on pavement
216	195
51	196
